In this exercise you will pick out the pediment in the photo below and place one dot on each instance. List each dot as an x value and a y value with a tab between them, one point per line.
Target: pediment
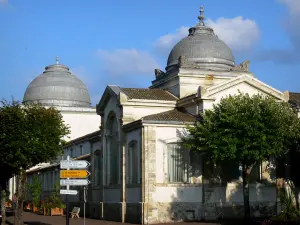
243	84
110	91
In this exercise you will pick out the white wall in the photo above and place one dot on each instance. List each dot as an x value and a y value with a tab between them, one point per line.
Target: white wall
81	123
133	112
177	194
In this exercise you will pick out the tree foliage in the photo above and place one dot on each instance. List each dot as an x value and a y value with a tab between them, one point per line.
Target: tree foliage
248	130
244	128
29	134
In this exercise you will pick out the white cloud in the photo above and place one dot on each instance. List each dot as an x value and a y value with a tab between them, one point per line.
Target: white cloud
238	33
165	43
2	2
293	6
127	61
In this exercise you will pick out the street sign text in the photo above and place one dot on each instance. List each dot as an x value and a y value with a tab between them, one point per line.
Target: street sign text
74	182
74	173
68	192
74	164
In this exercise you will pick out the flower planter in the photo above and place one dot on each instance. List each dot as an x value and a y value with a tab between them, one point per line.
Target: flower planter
35	209
54	212
8	204
27	207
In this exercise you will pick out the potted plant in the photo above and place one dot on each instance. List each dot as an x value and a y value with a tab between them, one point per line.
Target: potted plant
36	192
27	205
8	203
289	214
53	205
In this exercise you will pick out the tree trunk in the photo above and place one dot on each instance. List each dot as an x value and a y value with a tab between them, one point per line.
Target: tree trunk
296	193
246	174
21	189
3	208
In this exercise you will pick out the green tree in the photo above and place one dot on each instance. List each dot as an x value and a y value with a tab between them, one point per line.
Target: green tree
29	134
246	129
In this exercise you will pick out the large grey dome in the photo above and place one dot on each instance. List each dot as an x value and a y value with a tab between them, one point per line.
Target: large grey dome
57	86
202	48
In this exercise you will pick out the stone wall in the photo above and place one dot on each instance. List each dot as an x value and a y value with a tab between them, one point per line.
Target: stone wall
149	174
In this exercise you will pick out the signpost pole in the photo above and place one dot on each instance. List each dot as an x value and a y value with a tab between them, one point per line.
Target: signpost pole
67	203
73	169
84	196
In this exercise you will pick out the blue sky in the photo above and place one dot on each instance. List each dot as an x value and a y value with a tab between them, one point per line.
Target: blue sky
122	42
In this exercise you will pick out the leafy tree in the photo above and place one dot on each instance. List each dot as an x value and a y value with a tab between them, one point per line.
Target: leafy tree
246	129
29	134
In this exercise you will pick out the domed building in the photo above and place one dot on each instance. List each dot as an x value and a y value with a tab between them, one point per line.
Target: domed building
140	171
161	181
59	88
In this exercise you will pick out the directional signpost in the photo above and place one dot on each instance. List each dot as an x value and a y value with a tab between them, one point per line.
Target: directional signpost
68	192
76	164
74	182
74	173
73	169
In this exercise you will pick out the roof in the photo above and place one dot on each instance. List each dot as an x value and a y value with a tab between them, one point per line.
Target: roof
57	164
174	115
201	49
149	94
57	86
294	98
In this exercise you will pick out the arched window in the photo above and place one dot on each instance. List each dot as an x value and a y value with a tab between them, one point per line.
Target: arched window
133	163
112	150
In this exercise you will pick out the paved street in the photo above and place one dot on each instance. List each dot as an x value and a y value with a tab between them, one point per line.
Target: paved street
35	219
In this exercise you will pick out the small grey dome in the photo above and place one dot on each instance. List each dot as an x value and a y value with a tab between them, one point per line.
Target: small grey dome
202	48
57	86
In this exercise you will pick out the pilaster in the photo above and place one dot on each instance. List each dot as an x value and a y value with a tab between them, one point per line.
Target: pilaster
149	172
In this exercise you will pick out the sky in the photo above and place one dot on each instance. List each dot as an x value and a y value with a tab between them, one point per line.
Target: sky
122	42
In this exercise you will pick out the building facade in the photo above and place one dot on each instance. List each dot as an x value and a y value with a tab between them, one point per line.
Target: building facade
140	171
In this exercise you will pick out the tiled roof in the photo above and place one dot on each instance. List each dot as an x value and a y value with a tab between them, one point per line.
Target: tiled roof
294	98
149	94
172	115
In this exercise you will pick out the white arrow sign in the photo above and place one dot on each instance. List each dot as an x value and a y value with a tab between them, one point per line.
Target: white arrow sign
74	182
68	192
74	164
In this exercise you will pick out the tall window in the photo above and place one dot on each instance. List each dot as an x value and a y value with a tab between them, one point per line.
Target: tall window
112	148
81	150
71	152
133	163
178	162
97	167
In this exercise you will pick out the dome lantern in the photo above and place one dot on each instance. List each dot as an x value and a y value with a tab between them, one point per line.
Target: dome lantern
201	49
